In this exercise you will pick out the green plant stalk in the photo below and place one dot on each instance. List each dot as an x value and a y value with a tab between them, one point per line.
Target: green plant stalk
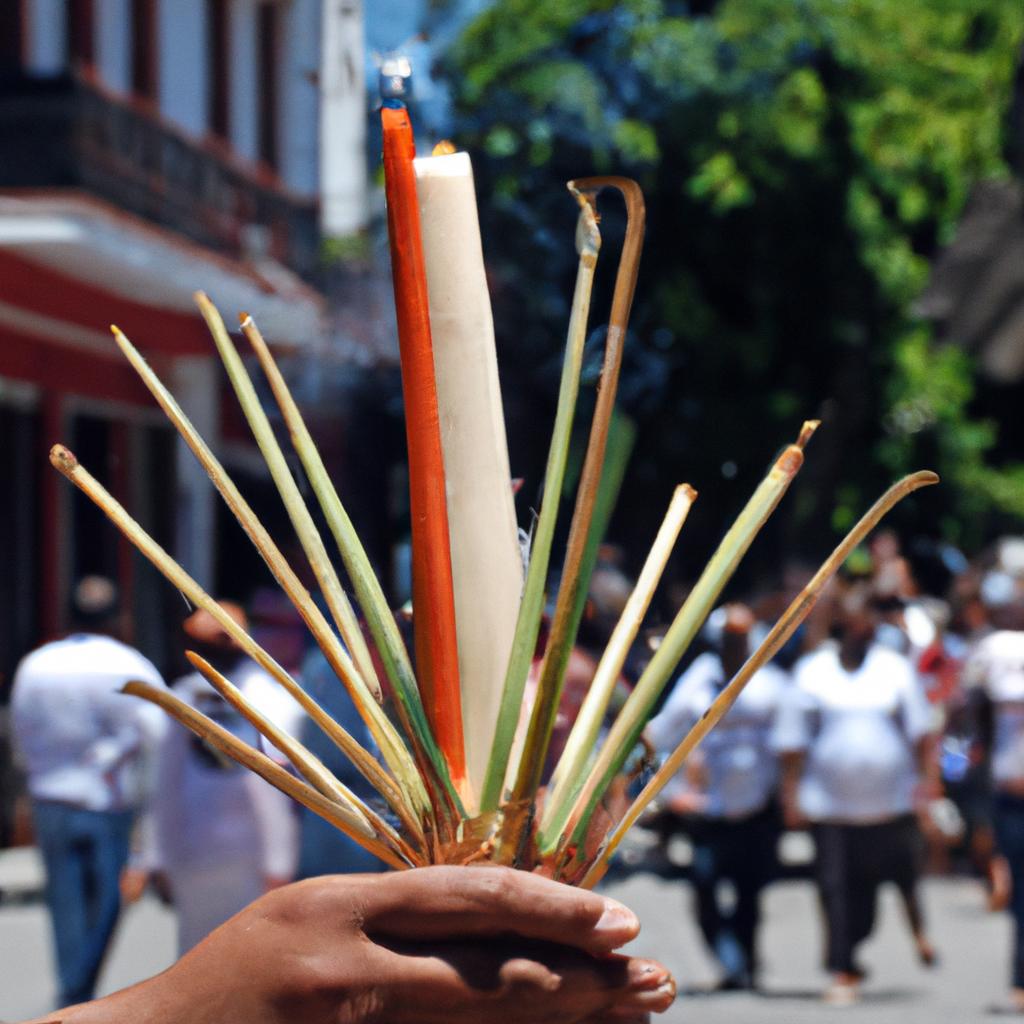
307	763
335	813
374	604
357	681
66	463
247	519
779	634
570	772
631	720
312	544
575	582
588	244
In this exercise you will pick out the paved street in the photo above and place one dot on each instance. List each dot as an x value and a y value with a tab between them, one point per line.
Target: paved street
972	943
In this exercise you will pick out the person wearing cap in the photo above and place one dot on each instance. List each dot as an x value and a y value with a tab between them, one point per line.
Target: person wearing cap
222	835
87	752
855	736
726	791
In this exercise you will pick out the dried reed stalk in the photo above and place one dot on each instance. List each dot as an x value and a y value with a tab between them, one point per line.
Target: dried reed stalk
66	463
788	623
371	597
343	817
571	598
631	720
570	772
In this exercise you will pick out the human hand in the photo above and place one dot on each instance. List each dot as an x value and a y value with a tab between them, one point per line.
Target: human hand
132	884
442	945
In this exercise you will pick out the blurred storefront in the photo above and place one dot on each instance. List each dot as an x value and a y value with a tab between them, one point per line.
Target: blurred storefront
147	149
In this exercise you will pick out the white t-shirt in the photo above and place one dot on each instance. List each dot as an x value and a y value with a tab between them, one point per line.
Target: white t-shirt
859	730
80	741
739	762
997	665
206	809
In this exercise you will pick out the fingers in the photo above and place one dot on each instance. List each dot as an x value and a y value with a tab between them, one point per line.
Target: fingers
456	902
512	982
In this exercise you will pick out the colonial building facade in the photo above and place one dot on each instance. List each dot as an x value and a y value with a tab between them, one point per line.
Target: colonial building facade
148	148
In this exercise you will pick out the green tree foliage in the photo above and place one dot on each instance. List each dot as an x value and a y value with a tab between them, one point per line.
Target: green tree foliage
803	161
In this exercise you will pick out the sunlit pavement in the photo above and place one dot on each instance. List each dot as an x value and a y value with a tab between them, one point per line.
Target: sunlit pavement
973	945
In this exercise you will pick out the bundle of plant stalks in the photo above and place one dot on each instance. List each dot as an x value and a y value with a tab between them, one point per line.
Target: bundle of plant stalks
430	810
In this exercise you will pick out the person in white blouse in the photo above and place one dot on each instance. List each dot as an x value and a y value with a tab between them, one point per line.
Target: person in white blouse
222	835
87	752
726	791
855	735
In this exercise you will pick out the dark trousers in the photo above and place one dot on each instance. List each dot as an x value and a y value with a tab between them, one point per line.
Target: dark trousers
1008	820
742	853
852	862
84	853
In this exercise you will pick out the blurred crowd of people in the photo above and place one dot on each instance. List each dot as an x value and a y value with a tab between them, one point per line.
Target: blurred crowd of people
891	729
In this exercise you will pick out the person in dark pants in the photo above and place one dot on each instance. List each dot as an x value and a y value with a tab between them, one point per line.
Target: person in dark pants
1009	827
995	673
88	754
742	853
855	736
727	792
852	861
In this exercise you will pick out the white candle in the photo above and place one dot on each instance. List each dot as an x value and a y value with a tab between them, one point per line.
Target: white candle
486	563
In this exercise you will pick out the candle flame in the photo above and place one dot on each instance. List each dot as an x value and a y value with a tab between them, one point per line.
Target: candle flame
444	148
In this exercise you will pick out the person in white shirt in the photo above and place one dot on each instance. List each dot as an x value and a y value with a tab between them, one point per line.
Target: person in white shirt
223	836
726	792
994	674
87	752
855	735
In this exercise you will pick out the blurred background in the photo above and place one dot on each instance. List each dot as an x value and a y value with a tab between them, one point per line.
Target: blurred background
835	198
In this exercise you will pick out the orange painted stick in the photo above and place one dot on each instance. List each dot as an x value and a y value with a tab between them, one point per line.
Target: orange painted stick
437	658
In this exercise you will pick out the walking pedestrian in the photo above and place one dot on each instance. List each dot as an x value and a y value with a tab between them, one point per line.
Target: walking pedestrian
857	755
223	836
994	672
727	791
87	751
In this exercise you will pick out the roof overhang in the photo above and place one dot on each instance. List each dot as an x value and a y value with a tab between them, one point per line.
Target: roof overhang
119	268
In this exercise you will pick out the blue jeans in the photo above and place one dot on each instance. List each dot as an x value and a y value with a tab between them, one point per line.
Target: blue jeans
84	852
741	852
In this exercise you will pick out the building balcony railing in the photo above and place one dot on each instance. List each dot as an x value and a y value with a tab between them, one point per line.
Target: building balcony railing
66	133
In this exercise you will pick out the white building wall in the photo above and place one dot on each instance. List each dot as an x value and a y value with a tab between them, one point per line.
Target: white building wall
299	132
343	174
242	84
181	32
47	45
113	43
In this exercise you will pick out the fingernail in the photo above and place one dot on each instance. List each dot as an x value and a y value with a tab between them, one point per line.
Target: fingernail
658	999
644	976
617	920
